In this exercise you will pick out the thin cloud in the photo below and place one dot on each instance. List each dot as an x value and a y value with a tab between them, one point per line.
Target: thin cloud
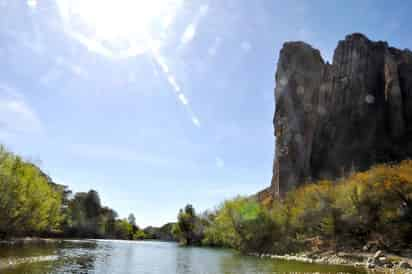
51	76
113	152
8	91
32	41
75	69
16	116
94	151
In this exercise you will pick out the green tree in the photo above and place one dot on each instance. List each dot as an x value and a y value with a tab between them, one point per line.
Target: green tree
109	216
188	229
123	230
139	235
244	224
132	219
86	215
28	202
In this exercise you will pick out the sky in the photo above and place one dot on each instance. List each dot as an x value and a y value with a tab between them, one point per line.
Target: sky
160	103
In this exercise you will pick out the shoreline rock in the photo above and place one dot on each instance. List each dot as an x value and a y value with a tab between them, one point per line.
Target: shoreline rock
376	261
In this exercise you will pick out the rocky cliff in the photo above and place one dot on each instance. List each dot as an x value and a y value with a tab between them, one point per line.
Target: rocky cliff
334	118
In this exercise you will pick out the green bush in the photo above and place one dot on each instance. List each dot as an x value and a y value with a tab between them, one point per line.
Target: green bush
375	206
28	202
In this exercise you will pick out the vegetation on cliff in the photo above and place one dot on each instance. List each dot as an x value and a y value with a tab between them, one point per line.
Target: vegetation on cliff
371	207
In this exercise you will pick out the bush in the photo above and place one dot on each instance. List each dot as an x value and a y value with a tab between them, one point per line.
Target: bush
366	206
375	205
244	224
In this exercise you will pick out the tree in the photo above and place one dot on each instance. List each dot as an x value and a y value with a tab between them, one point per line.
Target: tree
109	216
32	204
244	224
28	202
123	230
86	216
92	204
139	235
131	219
188	229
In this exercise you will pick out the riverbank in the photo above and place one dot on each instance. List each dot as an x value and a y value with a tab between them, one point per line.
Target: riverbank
29	240
379	261
10	258
374	261
12	262
143	256
40	241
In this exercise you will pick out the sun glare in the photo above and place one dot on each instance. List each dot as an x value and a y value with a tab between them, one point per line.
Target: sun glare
119	28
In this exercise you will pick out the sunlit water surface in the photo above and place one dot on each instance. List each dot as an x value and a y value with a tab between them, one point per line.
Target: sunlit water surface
146	257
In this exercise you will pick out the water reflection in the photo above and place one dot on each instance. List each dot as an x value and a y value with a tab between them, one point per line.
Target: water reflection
117	257
244	265
55	257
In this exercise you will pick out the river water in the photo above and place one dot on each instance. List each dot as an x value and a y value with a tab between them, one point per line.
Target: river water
115	257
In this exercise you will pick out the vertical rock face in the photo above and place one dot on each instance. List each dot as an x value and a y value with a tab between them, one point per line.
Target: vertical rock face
348	115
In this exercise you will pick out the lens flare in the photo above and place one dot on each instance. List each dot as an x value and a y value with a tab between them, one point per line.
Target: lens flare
121	28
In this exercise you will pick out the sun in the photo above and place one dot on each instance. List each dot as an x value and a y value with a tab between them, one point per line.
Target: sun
120	28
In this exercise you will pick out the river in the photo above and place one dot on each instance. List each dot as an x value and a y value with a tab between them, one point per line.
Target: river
151	257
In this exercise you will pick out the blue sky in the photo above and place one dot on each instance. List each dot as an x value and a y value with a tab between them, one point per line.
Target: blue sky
160	103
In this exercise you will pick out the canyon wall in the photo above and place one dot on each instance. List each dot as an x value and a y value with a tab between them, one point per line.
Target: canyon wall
331	119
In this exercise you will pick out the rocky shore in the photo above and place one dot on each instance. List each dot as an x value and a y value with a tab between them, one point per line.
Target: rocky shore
379	261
